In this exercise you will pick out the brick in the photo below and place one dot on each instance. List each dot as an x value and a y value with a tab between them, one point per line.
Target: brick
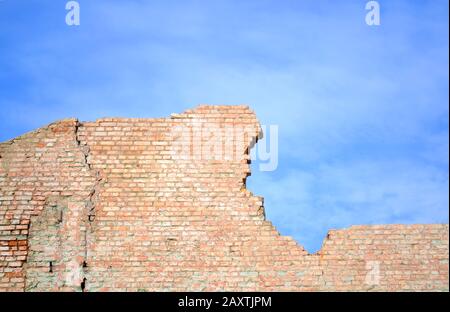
116	200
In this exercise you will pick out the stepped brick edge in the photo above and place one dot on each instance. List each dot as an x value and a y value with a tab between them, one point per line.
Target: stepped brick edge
108	206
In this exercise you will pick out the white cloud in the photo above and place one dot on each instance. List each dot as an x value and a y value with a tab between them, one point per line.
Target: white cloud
362	112
307	203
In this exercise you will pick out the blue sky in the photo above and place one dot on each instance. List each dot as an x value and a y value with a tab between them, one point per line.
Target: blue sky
362	111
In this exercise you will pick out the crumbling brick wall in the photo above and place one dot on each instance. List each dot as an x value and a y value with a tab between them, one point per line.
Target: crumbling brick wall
114	205
45	184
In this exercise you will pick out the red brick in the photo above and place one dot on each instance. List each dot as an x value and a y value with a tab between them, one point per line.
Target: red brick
112	194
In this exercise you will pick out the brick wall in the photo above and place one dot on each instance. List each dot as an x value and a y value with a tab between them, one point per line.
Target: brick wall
136	205
44	188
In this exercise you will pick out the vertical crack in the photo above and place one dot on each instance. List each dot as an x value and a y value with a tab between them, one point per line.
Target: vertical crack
83	147
92	199
83	285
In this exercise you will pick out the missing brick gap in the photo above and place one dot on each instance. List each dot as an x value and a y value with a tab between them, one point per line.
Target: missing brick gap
60	219
244	180
83	285
50	267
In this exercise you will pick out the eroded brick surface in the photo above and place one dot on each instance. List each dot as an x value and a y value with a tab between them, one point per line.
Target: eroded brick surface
108	206
44	186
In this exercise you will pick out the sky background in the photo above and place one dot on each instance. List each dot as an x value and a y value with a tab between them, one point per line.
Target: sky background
362	111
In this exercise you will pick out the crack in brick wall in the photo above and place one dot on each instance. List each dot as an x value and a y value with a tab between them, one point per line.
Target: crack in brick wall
108	206
44	185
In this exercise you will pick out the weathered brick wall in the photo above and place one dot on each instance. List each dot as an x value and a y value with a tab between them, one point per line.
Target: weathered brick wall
114	205
45	184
